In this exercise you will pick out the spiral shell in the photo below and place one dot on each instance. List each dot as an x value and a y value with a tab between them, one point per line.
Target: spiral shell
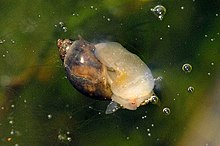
85	72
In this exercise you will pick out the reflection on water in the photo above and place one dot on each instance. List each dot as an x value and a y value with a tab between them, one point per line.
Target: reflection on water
38	106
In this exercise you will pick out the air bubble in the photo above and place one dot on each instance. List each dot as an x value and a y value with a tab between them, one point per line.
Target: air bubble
61	24
159	11
65	29
12	41
187	68
69	139
190	89
11	122
2	41
212	39
154	99
63	137
49	116
166	110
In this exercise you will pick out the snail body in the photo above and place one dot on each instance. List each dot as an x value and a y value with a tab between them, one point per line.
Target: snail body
130	79
107	71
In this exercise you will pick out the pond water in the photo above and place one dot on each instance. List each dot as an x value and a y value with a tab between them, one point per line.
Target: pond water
178	40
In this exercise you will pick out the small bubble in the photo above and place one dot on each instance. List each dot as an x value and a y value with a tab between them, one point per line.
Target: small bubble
154	99
182	7
152	125
137	127
216	14
12	41
108	19
3	55
2	41
12	106
209	73
206	35
187	68
61	24
149	134
91	7
49	116
168	26
148	129
11	122
69	139
12	132
212	63
159	11
190	89
65	29
161	38
212	39
144	117
62	137
166	111
127	137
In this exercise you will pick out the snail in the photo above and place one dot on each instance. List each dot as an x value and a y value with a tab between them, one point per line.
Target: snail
107	71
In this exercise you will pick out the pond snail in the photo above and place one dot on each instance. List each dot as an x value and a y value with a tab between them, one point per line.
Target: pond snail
107	71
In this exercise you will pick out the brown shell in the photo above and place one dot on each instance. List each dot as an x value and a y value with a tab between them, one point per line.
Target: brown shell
85	72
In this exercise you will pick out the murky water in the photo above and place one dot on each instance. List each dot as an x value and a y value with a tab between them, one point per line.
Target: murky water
38	105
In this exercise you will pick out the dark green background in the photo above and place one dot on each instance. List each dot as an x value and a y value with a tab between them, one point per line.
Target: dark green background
33	83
